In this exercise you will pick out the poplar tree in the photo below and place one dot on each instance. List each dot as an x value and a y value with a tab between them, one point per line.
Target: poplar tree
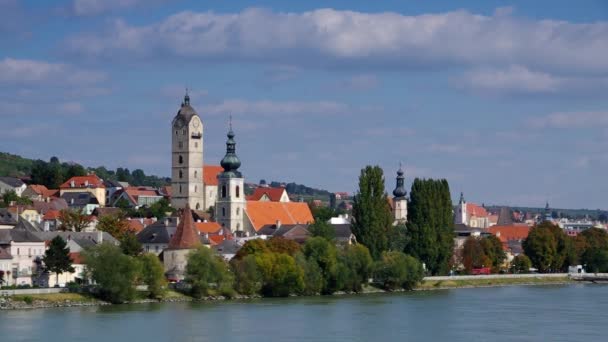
371	212
430	230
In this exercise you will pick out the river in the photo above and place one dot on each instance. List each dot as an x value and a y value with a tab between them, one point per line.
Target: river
576	312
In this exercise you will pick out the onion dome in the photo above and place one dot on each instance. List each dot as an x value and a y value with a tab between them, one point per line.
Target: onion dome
399	191
186	112
231	162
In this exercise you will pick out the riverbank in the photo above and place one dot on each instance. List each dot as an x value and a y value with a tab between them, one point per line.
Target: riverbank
39	301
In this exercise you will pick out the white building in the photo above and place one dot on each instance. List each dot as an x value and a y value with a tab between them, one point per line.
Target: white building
8	184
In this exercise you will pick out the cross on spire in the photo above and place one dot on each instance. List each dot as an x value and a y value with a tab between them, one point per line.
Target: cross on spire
230	122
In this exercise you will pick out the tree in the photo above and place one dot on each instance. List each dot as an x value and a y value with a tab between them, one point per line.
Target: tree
281	245
160	209
430	226
397	238
549	248
113	224
592	249
521	264
153	275
57	258
355	265
281	276
205	270
313	278
116	274
73	220
74	170
473	255
324	253
129	244
322	229
247	276
372	216
397	270
12	197
252	247
495	254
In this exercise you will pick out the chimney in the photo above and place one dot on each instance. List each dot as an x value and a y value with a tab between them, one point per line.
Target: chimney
278	224
72	184
86	183
99	236
141	220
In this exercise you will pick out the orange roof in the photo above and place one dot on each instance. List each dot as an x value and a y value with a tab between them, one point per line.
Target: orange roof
273	194
210	173
136	225
77	258
39	189
207	227
506	233
51	193
51	215
90	181
215	240
475	210
263	213
186	235
135	192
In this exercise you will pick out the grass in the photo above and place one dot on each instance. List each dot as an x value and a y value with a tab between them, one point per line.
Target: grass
532	280
53	298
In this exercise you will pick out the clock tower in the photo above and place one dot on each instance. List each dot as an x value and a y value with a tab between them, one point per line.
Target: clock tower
187	158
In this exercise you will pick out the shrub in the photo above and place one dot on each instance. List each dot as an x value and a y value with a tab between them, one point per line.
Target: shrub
153	275
205	271
397	270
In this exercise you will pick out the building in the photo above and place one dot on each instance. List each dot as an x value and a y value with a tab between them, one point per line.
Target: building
187	158
400	200
296	232
269	194
230	205
8	184
183	242
471	214
84	202
90	183
136	197
21	252
37	192
260	214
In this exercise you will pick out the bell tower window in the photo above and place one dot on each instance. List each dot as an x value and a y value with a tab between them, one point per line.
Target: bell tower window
223	191
181	174
195	174
181	159
238	191
223	212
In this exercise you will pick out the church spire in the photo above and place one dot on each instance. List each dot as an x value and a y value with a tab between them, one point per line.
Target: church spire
400	188
462	198
230	162
187	98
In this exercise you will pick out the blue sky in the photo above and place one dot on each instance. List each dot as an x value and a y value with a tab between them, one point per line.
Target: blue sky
507	100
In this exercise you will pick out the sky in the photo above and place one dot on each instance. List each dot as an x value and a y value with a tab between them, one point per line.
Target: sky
505	99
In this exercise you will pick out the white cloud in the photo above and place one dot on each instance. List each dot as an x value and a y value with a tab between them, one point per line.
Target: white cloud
26	71
327	37
279	108
571	120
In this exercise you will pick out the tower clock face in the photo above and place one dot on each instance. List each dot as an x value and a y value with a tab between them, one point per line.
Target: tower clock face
195	122
179	123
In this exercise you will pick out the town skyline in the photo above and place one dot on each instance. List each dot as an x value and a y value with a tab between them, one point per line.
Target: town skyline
519	131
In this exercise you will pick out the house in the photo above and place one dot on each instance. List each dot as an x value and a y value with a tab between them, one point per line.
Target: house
267	194
8	184
296	232
90	183
138	224
27	212
471	214
262	213
21	252
511	238
210	182
85	202
136	197
8	220
344	235
51	221
112	187
37	192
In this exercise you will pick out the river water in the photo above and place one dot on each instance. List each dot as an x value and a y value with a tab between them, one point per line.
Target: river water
518	313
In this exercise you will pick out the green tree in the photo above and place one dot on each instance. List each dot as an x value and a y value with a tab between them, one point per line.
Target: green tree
313	278
397	270
113	224
281	276
521	264
596	260
73	220
161	209
549	248
372	216
397	238
322	229
10	197
281	245
252	247
492	248
473	255
324	253
74	170
247	276
430	226
129	244
592	246
358	261
57	258
153	275
116	274
205	271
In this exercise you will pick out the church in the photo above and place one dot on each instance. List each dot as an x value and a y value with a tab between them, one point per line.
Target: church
201	187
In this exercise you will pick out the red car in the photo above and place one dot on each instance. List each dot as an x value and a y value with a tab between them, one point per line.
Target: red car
480	271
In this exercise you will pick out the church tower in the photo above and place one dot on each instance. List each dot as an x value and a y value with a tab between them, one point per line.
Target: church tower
230	205
461	211
400	201
187	158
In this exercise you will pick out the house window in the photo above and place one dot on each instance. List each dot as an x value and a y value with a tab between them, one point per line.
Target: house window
195	174
238	191
175	132
195	188
180	188
181	159
223	191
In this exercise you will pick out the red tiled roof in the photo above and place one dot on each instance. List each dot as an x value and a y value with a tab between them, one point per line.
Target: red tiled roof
51	193
207	227
39	189
475	210
90	181
263	213
77	258
186	236
216	239
136	225
51	215
210	173
134	192
507	233
274	194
